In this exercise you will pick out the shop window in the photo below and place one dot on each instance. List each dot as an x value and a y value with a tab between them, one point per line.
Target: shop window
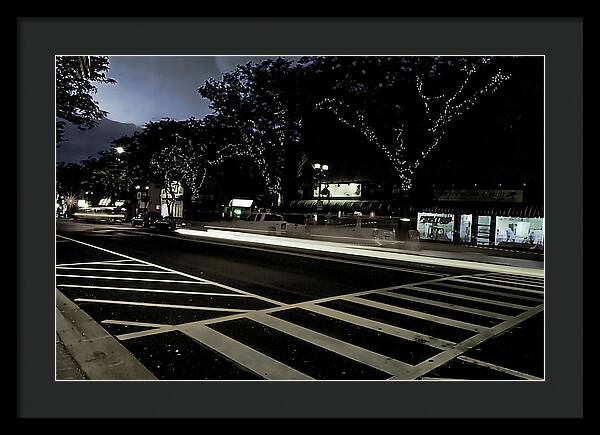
466	221
519	230
483	230
435	226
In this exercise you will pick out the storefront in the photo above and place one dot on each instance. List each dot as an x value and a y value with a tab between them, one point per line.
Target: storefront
148	198
482	217
514	226
436	226
520	230
172	200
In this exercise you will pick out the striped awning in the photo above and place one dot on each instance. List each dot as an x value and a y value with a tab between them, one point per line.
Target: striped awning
513	210
348	205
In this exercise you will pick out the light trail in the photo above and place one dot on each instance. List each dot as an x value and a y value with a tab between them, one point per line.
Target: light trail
347	249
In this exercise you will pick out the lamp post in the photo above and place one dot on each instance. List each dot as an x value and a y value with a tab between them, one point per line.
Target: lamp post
124	184
320	171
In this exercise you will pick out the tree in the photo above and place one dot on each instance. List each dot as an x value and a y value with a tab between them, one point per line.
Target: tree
404	106
69	178
69	181
256	106
109	175
180	152
74	91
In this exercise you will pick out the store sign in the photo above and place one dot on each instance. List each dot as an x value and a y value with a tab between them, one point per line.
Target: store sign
479	195
339	190
241	203
436	219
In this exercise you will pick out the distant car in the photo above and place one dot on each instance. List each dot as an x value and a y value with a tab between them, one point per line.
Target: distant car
165	223
145	219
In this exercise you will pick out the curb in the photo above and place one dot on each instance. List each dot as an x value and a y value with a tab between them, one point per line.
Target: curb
98	354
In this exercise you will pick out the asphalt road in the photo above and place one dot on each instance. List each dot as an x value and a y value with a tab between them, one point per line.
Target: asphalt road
192	309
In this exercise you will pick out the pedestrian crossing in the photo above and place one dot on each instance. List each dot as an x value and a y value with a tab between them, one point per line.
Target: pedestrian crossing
120	287
403	332
425	328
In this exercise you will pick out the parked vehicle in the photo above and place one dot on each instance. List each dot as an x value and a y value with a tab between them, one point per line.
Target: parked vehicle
265	222
145	219
165	223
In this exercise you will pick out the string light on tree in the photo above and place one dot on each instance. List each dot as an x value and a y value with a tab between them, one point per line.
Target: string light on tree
440	112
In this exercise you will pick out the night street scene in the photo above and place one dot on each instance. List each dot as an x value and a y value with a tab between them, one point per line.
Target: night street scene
300	218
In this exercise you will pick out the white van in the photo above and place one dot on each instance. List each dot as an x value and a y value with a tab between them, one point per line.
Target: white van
262	222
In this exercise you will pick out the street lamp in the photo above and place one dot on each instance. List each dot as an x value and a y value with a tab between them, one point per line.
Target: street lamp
120	150
319	175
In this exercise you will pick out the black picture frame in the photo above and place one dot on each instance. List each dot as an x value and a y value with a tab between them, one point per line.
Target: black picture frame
560	40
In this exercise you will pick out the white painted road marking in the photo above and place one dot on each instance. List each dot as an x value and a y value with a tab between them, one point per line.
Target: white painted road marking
416	314
444	357
356	353
129	323
246	356
270	368
119	278
498	368
151	290
467	298
201	280
114	270
149	304
459	308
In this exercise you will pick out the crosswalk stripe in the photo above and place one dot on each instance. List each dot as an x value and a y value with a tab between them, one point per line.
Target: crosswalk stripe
86	263
417	314
114	270
129	323
472	281
356	353
150	304
518	278
396	331
200	280
489	292
485	279
443	357
468	298
134	289
449	306
132	279
498	368
245	356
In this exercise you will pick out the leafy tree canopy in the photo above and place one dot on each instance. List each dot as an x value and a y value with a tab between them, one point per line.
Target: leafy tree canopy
75	103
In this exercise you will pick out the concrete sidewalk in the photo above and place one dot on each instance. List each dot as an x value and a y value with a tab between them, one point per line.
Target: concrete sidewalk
86	351
67	368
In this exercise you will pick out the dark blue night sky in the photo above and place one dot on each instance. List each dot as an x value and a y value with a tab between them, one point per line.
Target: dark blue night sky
154	87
